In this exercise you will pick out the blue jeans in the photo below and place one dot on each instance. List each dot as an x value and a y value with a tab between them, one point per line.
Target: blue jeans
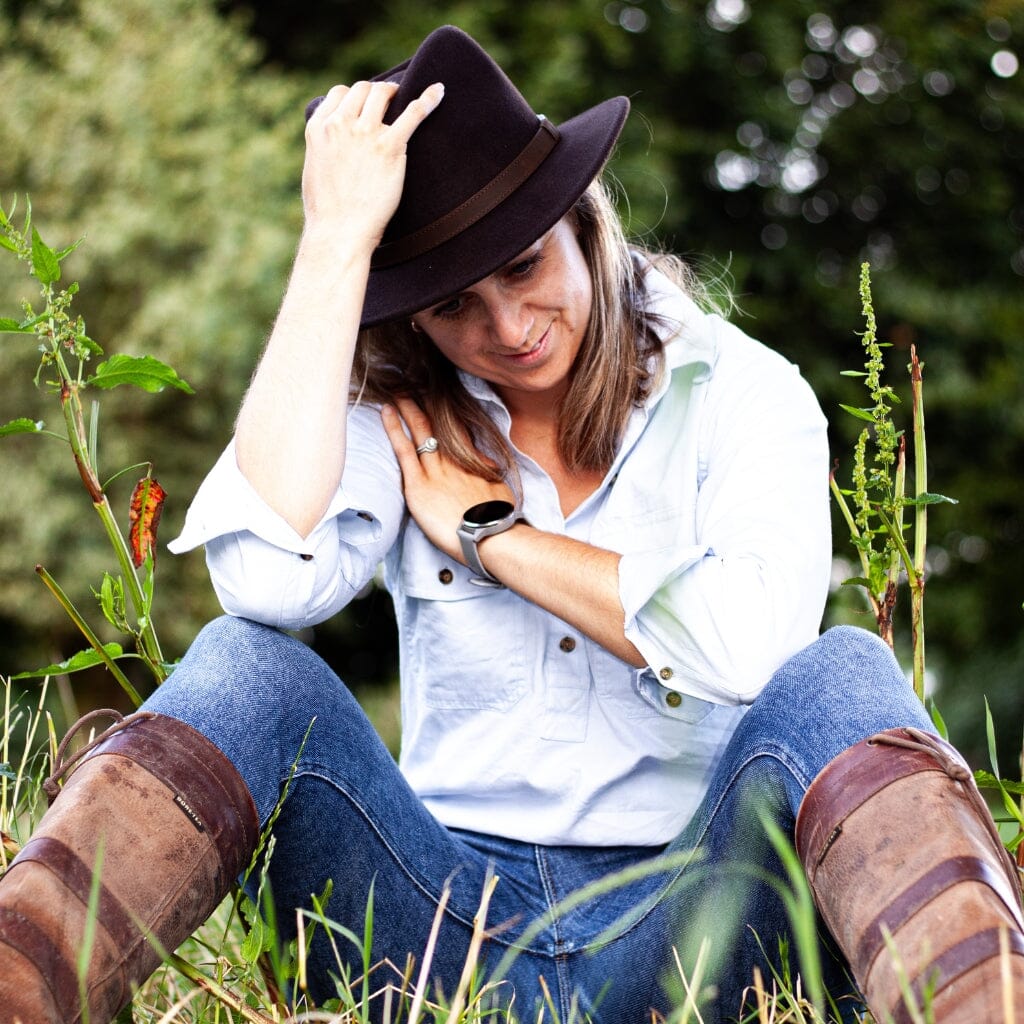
350	817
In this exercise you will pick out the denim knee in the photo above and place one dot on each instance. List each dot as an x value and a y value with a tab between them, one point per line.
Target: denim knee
256	693
829	696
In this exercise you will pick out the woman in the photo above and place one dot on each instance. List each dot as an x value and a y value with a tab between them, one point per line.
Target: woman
602	515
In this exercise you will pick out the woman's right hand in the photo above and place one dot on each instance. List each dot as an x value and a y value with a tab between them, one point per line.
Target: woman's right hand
355	163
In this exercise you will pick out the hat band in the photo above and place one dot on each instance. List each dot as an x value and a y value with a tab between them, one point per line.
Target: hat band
475	207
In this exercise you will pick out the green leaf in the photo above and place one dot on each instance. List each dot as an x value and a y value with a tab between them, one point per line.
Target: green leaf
930	499
861	414
83	659
88	344
21	426
111	598
9	326
64	253
856	581
141	371
986	780
45	265
7	243
990	734
852	373
256	941
7	772
937	720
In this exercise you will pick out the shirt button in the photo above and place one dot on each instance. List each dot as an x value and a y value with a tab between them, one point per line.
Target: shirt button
665	673
446	576
365	516
306	558
567	644
673	699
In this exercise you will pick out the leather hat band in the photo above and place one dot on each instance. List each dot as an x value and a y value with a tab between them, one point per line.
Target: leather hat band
475	207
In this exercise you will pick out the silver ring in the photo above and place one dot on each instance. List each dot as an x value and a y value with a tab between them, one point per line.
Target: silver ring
429	445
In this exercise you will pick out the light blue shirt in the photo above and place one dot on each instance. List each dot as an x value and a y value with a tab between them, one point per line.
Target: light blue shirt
514	723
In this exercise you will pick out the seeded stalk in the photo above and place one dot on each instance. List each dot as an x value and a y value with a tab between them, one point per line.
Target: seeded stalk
878	498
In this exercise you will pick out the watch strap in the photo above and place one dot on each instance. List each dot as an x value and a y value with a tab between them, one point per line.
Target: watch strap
468	540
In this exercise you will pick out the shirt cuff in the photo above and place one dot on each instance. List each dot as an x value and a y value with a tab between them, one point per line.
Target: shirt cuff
227	503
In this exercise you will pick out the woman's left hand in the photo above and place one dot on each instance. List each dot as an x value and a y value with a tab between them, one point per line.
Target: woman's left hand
437	491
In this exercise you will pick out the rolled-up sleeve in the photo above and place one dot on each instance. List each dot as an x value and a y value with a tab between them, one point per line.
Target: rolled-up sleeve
743	584
262	569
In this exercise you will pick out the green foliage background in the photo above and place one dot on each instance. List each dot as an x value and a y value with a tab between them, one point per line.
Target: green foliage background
787	140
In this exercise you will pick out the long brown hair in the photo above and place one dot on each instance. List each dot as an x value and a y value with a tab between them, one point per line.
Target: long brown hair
618	363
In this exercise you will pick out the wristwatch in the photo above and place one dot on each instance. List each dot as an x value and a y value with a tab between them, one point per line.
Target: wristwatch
478	522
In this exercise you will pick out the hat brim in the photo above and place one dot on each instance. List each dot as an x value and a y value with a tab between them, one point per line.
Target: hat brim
538	204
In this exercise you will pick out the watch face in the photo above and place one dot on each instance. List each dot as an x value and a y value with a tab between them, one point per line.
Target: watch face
488	512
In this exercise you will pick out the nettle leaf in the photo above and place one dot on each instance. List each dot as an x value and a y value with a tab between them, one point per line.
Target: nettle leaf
930	499
986	780
861	414
140	371
21	426
77	662
45	264
9	326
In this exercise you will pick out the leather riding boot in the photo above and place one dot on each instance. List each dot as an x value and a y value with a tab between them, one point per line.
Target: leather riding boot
910	876
169	822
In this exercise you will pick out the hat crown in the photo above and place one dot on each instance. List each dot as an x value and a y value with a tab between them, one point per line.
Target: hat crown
479	129
485	176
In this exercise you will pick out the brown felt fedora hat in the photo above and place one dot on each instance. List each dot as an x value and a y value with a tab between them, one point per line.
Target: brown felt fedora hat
485	176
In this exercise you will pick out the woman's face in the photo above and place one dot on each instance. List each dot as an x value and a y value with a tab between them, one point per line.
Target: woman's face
521	327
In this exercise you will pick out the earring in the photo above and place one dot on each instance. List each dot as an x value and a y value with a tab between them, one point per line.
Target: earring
415	326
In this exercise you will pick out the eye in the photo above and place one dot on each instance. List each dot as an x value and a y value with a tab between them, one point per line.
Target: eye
449	310
525	268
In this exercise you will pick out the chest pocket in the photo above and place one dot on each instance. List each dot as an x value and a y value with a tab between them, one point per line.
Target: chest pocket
463	645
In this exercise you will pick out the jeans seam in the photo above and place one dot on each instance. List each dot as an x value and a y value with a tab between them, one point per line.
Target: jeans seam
420	883
771	752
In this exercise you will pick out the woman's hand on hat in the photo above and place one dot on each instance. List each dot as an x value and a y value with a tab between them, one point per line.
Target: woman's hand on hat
355	163
437	491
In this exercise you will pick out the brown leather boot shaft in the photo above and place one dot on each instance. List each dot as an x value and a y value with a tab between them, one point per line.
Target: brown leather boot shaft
169	822
907	869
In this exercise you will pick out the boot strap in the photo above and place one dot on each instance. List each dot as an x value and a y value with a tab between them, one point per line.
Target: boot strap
77	876
23	935
916	896
957	961
835	795
51	784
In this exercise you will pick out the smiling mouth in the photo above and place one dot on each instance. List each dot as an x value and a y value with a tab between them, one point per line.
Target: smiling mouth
534	351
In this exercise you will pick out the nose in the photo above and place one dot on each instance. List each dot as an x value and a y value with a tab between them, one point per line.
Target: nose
510	322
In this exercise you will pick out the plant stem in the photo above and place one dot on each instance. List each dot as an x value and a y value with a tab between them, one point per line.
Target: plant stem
920	522
217	991
855	533
148	642
86	630
78	439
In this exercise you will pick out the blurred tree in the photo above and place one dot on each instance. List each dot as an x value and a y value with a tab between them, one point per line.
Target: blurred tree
150	129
